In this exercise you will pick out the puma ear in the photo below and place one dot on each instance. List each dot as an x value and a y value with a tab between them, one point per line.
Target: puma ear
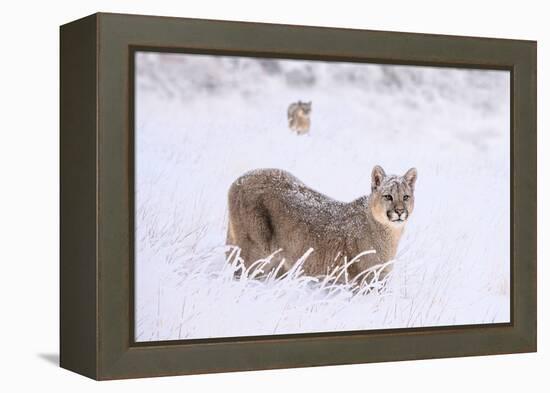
410	177
377	176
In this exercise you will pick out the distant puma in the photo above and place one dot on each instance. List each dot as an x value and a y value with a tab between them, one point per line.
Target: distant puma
298	117
270	209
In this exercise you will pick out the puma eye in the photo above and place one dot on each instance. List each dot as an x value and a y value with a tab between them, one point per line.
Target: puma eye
406	197
388	197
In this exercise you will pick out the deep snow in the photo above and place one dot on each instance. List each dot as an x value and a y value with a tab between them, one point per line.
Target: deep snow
202	121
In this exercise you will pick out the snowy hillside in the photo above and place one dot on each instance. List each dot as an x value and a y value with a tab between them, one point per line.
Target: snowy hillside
202	121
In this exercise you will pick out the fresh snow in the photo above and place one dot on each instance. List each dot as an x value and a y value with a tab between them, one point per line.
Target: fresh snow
203	121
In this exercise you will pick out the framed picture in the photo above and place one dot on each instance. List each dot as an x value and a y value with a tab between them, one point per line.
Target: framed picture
240	196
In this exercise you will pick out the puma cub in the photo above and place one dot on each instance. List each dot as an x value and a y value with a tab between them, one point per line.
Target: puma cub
298	117
270	210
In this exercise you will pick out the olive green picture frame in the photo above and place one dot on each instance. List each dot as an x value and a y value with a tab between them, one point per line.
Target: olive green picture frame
96	196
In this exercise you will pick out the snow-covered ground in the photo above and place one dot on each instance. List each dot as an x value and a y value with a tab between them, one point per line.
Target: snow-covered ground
202	121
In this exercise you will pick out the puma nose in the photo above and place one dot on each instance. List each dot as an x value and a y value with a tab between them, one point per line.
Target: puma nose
399	211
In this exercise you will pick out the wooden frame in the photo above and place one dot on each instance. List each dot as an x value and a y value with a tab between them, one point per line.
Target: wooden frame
97	196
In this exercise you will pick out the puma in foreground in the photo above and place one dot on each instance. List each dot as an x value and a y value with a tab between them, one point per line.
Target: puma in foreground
270	210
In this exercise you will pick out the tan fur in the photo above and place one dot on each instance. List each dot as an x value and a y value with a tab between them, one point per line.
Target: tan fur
299	117
270	209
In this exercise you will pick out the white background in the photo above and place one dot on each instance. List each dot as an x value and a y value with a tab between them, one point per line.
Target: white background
29	229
